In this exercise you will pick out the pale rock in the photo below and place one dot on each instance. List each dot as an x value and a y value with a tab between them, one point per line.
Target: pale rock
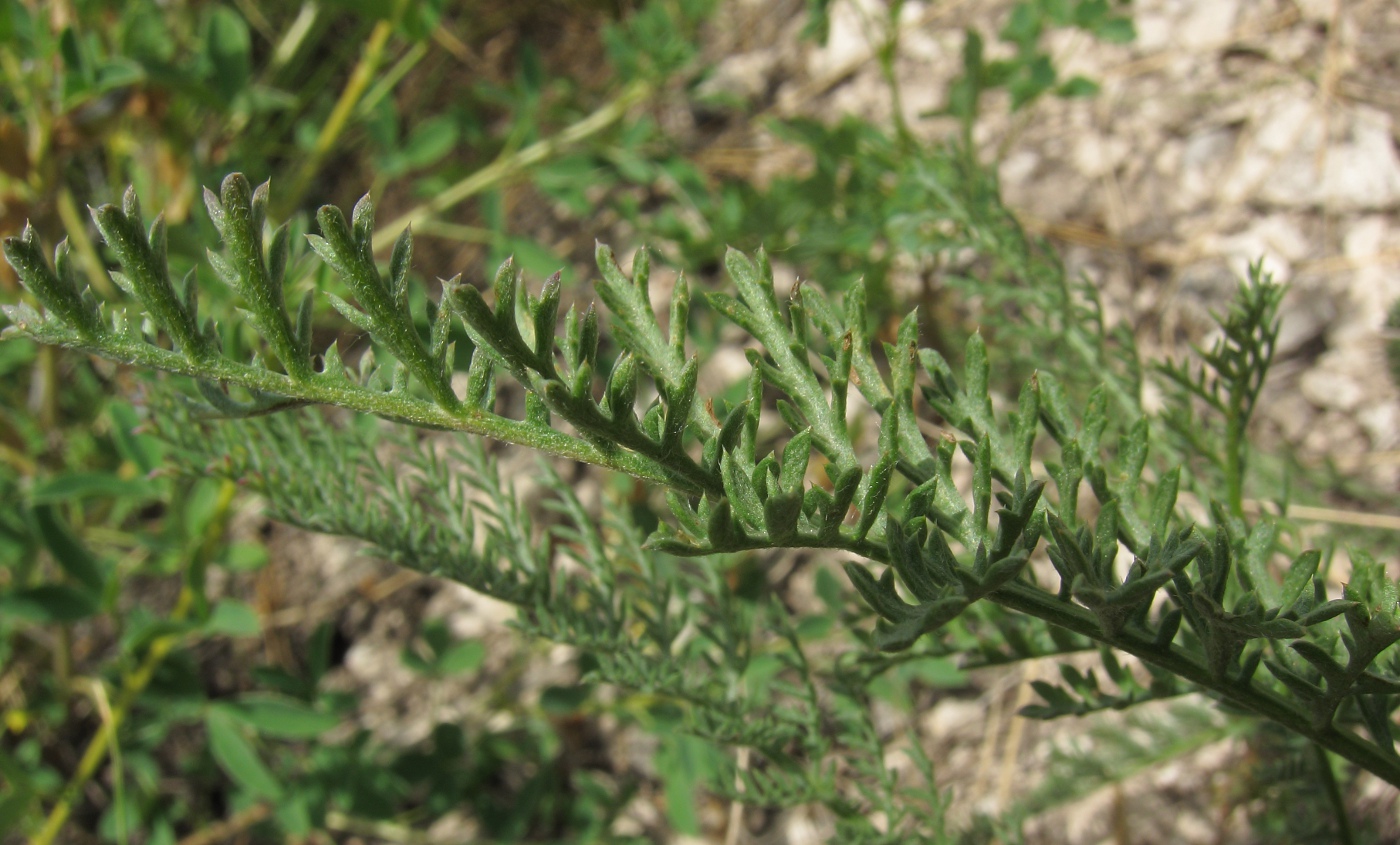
1334	433
469	615
1381	422
846	45
1375	288
953	716
924	46
1191	828
453	826
1202	288
1316	11
1096	155
1018	167
1278	125
865	96
744	76
1289	46
799	828
1279	163
1202	159
725	366
1275	240
1207	24
1332	384
1365	237
1363	172
1374	285
1304	316
1154	31
1293	413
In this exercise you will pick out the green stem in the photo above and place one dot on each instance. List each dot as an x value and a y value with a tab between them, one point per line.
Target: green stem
508	165
1334	796
360	79
1235	459
136	682
1262	702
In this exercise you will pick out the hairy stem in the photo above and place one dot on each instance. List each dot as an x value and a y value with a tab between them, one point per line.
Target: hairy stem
1262	702
323	389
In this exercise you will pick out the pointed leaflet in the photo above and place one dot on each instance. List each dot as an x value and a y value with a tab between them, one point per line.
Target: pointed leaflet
1300	574
545	316
348	252
358	318
845	485
680	314
739	489
259	284
1055	411
1027	420
795	457
780	513
759	314
149	281
931	616
1252	569
636	326
680	398
905	554
56	292
1164	501
881	595
68	552
399	262
877	484
238	758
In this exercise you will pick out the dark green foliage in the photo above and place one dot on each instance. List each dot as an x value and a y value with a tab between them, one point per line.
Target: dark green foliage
941	549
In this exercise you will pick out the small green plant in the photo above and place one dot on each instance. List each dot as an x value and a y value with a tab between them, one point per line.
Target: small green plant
1224	608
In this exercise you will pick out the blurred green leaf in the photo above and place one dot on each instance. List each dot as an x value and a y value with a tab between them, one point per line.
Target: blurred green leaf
69	486
1116	31
238	758
228	45
1078	86
461	658
244	557
233	618
419	18
143	450
277	716
70	554
49	603
426	145
563	700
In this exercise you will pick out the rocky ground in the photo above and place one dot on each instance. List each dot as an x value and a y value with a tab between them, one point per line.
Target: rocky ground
1230	130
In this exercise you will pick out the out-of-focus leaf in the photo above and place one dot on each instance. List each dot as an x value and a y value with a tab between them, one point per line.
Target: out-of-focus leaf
49	603
277	716
234	619
238	758
70	554
228	44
